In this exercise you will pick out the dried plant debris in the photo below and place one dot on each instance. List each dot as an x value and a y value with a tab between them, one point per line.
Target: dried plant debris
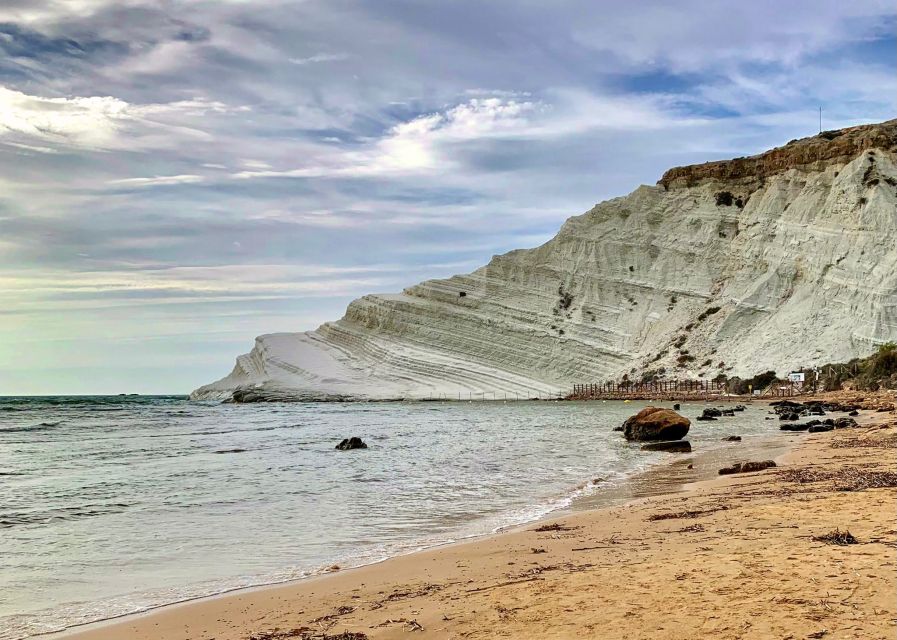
845	479
553	527
305	633
340	611
424	590
873	443
837	537
407	625
686	514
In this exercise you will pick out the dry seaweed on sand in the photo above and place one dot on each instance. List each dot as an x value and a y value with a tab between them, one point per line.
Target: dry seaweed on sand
340	611
837	537
846	478
553	527
407	625
872	443
686	514
305	633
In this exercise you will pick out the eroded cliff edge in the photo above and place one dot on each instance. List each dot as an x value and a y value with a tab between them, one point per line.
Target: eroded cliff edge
780	260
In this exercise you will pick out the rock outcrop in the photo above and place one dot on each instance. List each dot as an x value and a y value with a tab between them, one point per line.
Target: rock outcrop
747	467
347	444
656	423
777	261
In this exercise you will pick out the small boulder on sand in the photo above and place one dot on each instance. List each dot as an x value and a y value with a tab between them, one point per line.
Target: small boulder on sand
747	467
656	423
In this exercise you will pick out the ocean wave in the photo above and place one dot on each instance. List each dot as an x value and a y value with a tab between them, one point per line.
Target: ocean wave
62	514
34	428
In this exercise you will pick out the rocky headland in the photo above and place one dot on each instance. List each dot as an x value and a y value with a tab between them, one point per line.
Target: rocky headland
772	262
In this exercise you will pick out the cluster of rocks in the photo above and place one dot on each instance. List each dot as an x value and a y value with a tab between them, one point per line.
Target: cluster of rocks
790	411
816	426
712	413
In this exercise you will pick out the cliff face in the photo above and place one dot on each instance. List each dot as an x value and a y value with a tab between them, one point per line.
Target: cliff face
781	260
809	154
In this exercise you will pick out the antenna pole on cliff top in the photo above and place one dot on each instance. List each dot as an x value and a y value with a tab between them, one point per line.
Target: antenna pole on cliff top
820	119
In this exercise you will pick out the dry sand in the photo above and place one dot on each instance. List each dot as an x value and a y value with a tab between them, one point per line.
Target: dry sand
733	557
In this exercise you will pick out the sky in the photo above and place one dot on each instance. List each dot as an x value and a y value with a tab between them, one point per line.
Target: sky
179	176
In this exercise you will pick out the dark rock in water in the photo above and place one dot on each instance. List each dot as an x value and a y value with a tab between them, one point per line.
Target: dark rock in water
705	419
819	428
845	422
729	412
739	407
231	451
785	403
795	427
655	423
676	446
747	467
732	439
676	407
815	411
854	413
351	443
789	416
711	412
829	421
812	423
620	428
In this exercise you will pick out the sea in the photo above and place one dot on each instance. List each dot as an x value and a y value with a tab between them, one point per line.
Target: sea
112	505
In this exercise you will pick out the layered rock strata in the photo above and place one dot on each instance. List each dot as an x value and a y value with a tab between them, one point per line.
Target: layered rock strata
777	261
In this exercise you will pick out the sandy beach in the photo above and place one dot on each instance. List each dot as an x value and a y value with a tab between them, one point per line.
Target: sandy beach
744	556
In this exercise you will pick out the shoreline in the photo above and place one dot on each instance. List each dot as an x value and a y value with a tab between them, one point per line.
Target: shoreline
662	477
223	605
657	479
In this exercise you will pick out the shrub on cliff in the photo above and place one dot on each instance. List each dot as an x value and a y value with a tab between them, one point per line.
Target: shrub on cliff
745	386
867	374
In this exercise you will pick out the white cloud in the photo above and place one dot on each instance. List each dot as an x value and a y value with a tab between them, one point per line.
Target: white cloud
103	123
158	180
429	143
320	57
31	147
415	146
89	122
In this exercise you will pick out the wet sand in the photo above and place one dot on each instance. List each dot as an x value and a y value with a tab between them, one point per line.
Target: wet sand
729	557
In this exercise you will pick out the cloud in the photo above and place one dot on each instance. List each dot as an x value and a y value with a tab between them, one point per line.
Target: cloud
102	123
90	122
320	57
158	180
31	147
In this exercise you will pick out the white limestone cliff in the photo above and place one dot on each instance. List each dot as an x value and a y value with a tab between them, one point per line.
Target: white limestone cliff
798	267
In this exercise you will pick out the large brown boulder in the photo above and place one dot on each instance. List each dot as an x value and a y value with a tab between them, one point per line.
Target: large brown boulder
656	423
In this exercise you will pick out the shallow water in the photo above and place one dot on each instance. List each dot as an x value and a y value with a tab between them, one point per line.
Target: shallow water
115	505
